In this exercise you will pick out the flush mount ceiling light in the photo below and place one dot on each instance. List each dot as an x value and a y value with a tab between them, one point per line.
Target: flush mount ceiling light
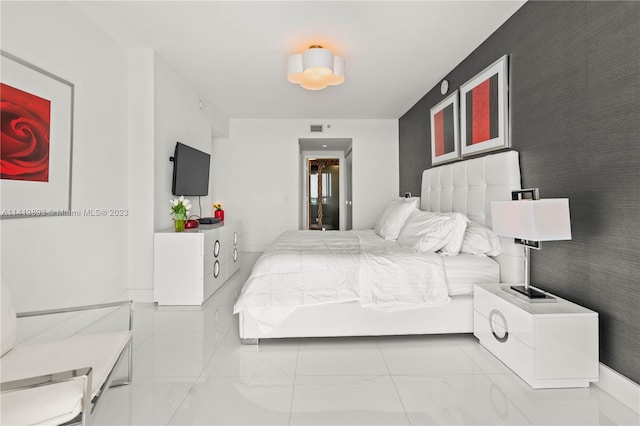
315	68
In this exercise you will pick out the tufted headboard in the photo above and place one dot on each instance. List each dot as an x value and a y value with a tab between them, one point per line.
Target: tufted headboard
469	187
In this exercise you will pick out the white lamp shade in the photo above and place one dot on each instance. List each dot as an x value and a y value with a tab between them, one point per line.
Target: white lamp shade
295	69
315	68
338	71
317	58
532	220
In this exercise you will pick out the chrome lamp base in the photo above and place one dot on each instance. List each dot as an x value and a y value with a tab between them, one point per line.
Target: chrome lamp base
530	292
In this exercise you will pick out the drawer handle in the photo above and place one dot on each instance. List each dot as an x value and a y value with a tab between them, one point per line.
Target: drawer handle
235	254
216	248
216	269
495	316
235	238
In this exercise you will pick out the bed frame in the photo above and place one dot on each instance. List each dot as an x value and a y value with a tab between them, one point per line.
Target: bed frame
467	187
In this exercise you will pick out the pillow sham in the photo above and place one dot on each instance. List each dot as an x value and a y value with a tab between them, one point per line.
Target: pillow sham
454	244
429	232
394	216
480	240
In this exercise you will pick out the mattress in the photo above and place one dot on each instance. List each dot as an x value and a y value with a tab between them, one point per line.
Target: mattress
465	270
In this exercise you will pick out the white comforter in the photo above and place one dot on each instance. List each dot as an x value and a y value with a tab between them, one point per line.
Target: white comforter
305	268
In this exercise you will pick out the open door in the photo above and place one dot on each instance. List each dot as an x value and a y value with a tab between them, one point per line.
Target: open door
323	182
324	192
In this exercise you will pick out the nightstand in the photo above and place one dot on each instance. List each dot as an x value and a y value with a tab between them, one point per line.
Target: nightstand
549	345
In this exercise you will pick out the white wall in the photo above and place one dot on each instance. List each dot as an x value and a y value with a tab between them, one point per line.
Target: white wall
255	172
58	261
178	118
141	173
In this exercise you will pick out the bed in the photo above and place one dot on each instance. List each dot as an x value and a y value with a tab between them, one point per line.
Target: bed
347	283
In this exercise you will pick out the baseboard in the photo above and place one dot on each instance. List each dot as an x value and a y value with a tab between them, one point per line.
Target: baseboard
620	387
140	295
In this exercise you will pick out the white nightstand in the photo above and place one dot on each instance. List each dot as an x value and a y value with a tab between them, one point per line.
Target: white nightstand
549	345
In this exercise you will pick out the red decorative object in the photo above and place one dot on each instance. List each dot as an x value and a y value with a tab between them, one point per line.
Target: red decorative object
219	214
191	224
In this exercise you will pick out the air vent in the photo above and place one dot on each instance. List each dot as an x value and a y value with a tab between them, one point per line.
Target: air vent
316	127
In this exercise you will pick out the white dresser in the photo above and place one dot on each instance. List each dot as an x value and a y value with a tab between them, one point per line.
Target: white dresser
190	266
549	345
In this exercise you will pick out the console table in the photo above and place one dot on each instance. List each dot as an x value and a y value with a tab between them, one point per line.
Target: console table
189	266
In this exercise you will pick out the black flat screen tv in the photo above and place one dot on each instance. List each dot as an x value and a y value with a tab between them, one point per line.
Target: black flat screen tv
190	171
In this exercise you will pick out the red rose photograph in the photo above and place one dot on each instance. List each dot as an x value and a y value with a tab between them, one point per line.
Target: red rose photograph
24	144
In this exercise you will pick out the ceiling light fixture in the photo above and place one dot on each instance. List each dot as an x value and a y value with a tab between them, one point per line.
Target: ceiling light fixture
315	68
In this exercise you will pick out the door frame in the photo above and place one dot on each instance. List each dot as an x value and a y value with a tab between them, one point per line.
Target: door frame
305	156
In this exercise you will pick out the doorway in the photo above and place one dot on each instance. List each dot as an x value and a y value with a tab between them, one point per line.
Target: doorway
324	185
323	180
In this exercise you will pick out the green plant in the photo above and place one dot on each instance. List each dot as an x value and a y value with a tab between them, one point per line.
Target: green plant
180	207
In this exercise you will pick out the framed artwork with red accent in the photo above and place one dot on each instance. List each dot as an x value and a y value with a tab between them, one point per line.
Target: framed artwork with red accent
484	110
36	114
445	140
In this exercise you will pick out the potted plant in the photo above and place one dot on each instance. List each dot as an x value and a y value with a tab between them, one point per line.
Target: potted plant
218	212
180	209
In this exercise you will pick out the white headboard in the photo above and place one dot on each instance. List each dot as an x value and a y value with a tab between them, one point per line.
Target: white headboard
469	187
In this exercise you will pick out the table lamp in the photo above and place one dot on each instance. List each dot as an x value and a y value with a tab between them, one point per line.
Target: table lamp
530	221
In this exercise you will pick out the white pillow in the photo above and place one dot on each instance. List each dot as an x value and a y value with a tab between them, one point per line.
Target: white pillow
394	216
480	240
8	322
453	246
428	232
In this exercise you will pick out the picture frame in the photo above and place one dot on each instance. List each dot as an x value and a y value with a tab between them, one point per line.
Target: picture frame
484	110
445	130
36	140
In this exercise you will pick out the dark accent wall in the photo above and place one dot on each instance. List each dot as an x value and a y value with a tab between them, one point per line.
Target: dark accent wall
575	119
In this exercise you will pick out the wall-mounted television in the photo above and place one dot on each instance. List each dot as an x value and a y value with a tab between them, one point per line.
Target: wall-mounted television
190	171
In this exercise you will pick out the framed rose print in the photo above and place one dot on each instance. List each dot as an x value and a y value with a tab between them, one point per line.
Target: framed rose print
445	140
36	114
484	124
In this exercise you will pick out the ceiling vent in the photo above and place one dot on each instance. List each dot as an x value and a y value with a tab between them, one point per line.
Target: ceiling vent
316	128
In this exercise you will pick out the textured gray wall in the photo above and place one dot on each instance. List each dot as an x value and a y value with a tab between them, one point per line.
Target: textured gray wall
575	119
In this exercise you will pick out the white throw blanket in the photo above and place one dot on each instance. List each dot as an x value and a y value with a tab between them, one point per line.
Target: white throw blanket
306	268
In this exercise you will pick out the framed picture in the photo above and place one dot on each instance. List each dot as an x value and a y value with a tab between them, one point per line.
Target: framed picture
484	110
445	140
36	110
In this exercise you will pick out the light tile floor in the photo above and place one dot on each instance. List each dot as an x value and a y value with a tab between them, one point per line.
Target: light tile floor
190	369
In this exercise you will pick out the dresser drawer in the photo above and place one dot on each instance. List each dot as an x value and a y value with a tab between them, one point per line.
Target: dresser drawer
518	322
215	279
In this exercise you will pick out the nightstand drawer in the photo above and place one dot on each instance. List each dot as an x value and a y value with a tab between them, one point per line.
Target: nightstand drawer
518	322
514	353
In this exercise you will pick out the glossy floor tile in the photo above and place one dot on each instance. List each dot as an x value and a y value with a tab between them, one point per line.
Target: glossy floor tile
190	369
353	400
236	400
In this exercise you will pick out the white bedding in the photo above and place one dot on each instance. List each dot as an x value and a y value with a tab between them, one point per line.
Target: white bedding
465	270
306	268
